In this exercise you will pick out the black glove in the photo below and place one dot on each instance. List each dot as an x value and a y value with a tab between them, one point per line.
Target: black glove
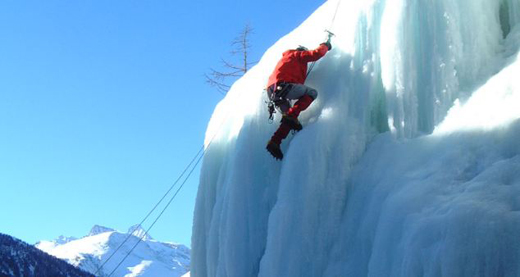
327	43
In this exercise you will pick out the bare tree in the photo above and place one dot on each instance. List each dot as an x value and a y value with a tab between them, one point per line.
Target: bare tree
241	46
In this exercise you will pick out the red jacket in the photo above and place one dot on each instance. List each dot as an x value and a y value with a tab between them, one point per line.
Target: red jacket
292	68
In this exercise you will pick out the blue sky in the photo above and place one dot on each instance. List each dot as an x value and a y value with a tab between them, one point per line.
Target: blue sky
103	103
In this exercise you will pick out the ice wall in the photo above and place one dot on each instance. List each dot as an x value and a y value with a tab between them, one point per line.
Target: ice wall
361	191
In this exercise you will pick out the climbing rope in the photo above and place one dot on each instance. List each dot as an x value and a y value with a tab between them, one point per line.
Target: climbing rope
198	158
329	34
130	234
159	216
335	13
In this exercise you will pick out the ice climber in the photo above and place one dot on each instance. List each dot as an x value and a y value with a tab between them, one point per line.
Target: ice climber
287	83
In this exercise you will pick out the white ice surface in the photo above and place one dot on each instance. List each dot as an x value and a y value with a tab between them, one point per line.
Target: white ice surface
408	161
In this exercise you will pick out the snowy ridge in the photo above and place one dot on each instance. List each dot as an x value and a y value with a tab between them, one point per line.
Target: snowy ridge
139	232
96	230
408	163
150	258
18	258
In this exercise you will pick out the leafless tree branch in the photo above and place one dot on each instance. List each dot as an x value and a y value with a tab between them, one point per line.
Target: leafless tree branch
241	45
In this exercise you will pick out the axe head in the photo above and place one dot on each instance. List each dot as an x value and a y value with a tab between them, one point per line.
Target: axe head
331	34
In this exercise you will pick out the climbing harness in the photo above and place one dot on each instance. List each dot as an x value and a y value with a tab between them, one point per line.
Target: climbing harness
277	94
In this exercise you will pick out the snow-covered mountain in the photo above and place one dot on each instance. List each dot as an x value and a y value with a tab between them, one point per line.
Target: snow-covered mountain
138	231
408	163
150	257
96	230
18	258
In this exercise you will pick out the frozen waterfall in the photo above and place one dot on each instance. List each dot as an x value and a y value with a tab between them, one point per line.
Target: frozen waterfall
408	163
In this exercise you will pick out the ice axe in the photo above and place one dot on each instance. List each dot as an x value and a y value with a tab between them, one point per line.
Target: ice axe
329	34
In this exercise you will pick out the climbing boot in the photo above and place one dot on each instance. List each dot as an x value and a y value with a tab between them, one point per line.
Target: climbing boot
292	122
275	150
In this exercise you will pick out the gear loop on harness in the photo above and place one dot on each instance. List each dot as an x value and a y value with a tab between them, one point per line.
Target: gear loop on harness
277	94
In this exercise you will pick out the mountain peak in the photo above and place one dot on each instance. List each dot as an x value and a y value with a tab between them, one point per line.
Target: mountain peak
147	259
27	260
97	229
138	231
64	239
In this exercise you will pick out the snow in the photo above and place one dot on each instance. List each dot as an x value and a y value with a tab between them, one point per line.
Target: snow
139	232
138	269
96	230
408	163
497	96
94	245
150	257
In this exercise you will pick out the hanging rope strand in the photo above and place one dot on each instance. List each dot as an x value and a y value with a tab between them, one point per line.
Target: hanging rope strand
149	213
334	17
200	154
328	35
198	157
173	197
158	217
